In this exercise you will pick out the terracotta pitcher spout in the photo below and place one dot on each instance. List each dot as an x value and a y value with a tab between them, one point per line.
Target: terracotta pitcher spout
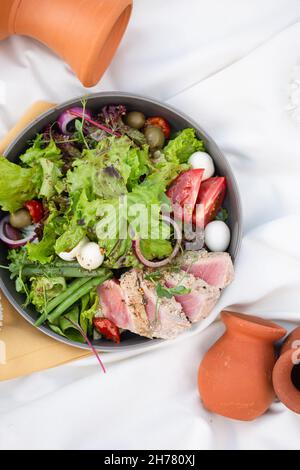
85	33
235	376
286	373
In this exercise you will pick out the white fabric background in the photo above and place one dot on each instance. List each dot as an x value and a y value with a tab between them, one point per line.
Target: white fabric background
227	64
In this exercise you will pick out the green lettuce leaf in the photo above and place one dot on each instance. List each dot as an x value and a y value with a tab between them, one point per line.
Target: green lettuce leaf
64	327
108	183
109	170
33	155
81	178
138	161
97	179
131	162
141	209
152	249
89	306
181	148
52	183
44	289
70	238
18	184
43	251
117	156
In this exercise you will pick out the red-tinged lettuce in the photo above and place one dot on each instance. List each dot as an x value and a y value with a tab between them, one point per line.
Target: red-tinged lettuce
111	169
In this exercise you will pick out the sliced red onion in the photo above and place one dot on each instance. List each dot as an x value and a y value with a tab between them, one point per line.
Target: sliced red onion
136	245
70	115
11	232
8	235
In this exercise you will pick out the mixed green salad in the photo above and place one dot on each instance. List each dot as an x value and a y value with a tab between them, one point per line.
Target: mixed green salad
62	198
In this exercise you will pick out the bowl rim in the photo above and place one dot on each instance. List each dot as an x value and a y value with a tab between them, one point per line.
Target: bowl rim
114	95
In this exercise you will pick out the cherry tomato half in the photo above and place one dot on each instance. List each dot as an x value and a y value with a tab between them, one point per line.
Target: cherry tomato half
157	121
107	328
35	209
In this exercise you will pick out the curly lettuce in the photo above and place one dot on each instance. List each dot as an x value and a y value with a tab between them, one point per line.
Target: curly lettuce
109	170
153	249
44	251
44	289
18	184
52	183
38	150
179	149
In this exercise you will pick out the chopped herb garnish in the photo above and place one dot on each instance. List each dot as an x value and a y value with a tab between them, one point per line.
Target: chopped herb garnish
155	276
169	292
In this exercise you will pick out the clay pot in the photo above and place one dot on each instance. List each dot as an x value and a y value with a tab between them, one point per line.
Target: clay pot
85	33
5	10
286	373
235	376
289	342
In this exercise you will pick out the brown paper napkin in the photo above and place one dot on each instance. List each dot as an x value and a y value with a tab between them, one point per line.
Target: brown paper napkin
23	348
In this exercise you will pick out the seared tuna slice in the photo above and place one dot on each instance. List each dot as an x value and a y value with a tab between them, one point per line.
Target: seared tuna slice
122	302
134	299
214	268
113	304
166	317
202	297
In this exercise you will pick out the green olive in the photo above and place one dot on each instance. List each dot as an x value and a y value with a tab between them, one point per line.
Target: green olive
20	219
135	119
155	137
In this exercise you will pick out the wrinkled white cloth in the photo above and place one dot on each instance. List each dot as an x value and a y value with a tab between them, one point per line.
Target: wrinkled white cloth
227	64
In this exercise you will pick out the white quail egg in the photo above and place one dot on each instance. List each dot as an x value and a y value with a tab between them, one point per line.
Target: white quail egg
71	255
217	235
202	160
90	256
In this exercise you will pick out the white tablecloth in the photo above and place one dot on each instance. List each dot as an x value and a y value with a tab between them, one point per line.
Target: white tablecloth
227	64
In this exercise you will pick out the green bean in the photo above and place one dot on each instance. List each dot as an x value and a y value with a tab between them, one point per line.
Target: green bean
56	263
84	289
60	262
60	298
64	271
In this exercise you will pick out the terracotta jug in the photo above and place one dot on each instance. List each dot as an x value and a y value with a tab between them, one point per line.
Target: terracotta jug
286	373
291	341
85	33
235	376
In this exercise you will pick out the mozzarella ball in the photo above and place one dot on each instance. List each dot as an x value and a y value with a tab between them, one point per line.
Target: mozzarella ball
217	236
71	255
201	160
90	256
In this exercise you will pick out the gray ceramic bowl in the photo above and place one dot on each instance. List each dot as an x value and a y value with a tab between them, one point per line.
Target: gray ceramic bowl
149	107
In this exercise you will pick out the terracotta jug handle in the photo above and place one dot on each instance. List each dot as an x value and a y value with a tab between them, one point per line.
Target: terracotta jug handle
31	113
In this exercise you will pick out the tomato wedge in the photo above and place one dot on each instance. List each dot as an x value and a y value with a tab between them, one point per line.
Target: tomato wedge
211	195
183	193
159	122
35	209
107	328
